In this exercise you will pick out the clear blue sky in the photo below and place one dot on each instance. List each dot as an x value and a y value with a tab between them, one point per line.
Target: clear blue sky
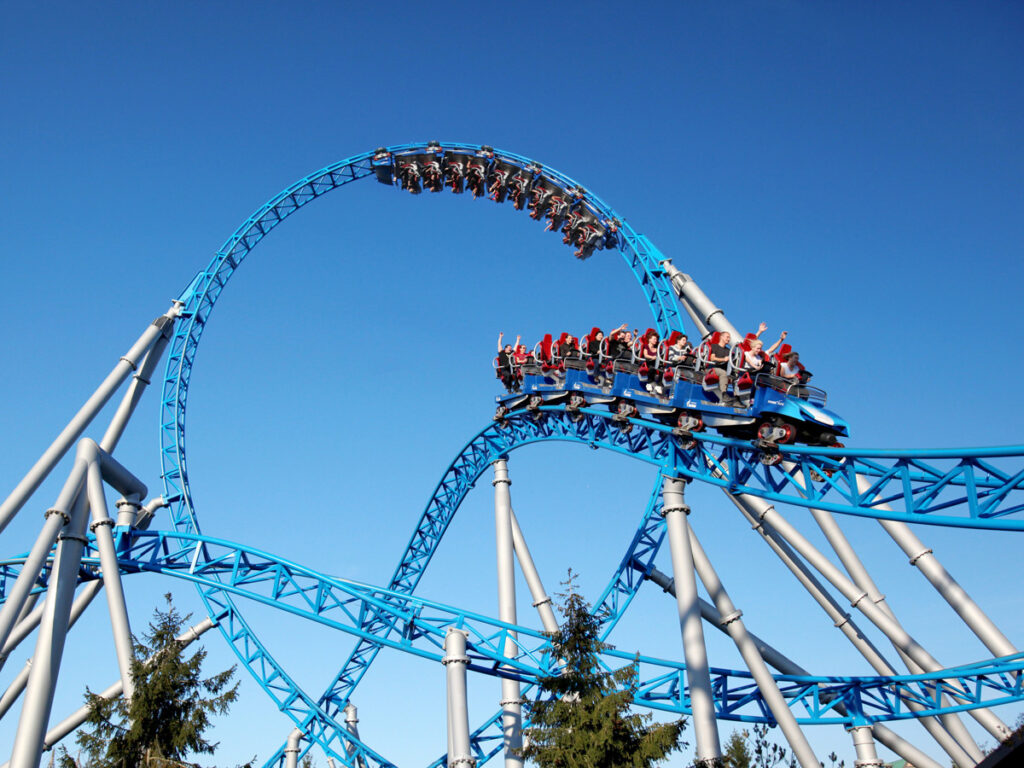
852	173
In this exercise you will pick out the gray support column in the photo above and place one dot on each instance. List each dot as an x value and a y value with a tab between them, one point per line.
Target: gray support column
698	676
292	749
864	745
15	689
57	518
957	597
698	323
26	609
755	510
455	662
733	623
9	508
785	665
859	574
119	624
858	598
80	715
541	601
352	726
31	621
35	712
131	398
511	702
690	292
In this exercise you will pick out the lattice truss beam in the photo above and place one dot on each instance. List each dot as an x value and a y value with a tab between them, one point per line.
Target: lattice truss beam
979	488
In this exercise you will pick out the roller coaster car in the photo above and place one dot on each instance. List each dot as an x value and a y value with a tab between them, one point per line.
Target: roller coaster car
584	231
431	171
541	196
409	173
772	412
454	168
382	167
476	174
520	186
559	208
498	180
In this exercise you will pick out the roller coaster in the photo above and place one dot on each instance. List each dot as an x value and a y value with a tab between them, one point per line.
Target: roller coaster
82	549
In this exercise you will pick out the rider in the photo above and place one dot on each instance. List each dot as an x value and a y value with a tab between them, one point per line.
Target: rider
506	362
718	359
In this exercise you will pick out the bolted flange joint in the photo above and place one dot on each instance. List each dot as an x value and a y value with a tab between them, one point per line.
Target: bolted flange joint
919	555
61	512
98	523
730	618
679	508
857	599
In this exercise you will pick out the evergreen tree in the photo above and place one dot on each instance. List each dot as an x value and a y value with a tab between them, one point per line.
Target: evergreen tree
165	721
582	717
737	753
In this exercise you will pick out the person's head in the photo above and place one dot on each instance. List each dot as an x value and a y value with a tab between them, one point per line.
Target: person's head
793	357
598	336
682	341
756	345
521	348
627	336
724	338
508	348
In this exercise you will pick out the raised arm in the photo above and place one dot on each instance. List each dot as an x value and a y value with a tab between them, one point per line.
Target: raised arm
501	336
761	329
775	346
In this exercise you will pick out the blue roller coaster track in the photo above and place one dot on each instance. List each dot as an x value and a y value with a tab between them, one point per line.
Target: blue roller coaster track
974	489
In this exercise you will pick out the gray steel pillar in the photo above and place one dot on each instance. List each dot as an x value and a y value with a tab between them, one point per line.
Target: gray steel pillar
864	745
859	574
511	702
690	292
891	628
733	624
15	689
775	658
755	510
455	662
131	398
292	749
698	675
35	712
119	624
31	621
541	601
9	508
698	323
57	518
352	726
926	562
